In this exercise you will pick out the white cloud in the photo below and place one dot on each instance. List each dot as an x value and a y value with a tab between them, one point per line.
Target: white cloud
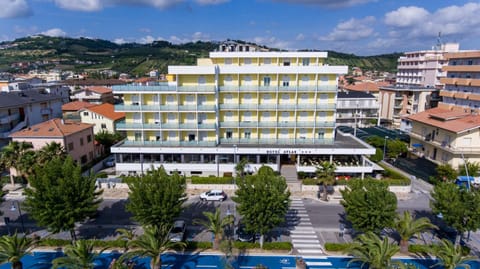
14	9
271	42
353	29
146	39
328	3
120	41
300	37
406	16
211	2
55	32
452	21
96	5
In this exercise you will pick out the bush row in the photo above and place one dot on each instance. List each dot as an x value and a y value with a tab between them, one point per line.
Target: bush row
211	180
336	246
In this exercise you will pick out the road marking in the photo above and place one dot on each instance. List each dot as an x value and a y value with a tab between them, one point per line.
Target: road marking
319	251
309	246
206	266
301	233
296	241
315	257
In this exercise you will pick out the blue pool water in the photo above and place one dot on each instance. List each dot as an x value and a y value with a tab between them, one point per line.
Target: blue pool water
42	260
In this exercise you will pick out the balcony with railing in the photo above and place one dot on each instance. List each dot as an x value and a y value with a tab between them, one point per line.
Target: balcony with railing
274	141
122	126
9	118
170	143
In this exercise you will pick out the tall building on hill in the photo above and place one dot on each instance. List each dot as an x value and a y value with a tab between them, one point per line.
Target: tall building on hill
270	108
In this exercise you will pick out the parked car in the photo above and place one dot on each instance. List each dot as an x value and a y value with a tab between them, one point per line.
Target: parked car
177	233
109	162
213	195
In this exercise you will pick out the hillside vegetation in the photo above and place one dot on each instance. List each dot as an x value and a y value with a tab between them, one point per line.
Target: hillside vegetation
83	54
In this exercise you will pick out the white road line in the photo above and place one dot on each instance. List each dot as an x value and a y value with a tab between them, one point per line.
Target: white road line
318	263
319	251
304	224
302	236
309	246
315	257
297	241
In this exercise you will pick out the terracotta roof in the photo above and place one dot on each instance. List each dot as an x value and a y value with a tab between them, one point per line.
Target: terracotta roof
76	106
100	89
365	86
53	128
107	110
92	82
454	121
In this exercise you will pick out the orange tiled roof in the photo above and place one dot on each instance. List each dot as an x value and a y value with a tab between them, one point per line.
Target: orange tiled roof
454	121
76	106
53	128
100	89
365	86
108	111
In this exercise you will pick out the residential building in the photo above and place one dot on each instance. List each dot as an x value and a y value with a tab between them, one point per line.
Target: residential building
71	110
449	133
462	83
93	94
25	108
357	109
102	116
417	85
77	138
270	108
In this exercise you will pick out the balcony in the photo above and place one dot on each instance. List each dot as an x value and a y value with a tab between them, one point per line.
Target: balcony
45	111
269	106
170	143
286	106
248	124
274	141
10	118
142	88
195	89
164	126
228	88
210	108
228	106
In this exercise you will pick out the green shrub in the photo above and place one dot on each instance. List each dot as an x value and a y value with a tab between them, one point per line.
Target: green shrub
336	246
245	245
211	180
198	245
309	181
301	175
53	242
102	175
420	249
398	181
277	246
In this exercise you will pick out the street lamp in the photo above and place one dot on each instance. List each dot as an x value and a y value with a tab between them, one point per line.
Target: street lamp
384	147
14	208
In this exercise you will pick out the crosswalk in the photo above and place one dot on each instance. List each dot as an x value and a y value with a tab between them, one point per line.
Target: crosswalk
304	238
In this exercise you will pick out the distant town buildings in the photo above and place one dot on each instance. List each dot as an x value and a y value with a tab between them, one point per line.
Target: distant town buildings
103	117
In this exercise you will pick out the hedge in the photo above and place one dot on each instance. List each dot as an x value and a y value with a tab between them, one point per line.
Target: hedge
309	181
422	249
211	180
277	246
336	246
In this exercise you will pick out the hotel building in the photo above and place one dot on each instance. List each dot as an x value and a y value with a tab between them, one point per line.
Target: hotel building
271	108
450	133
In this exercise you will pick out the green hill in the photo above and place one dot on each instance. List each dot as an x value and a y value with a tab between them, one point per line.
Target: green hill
84	54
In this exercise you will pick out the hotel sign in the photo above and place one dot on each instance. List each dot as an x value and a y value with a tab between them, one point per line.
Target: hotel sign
289	151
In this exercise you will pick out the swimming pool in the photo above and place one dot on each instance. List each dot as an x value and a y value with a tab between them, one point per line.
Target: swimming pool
42	260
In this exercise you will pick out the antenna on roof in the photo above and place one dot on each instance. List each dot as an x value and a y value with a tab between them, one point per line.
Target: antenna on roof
439	40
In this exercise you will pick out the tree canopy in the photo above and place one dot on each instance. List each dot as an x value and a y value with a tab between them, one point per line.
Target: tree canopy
262	200
369	205
156	198
59	196
458	207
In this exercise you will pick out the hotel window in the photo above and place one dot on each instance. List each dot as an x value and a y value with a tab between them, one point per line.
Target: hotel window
247	61
321	135
137	117
247	116
470	62
191	137
323	97
85	113
265	115
89	138
228	134
285	97
247	80
201	80
322	115
228	61
138	136
103	126
170	99
266	81
286	81
303	134
286	61
266	98
267	61
190	99
81	141
70	146
227	80
285	116
305	80
135	100
156	100
247	134
306	61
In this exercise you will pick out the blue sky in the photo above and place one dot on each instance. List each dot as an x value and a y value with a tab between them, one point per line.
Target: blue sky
362	27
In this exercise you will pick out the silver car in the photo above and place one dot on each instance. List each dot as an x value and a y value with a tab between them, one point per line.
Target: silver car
177	234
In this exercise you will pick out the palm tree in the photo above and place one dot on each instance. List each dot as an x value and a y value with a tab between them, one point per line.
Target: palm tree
240	168
371	250
216	225
127	235
451	256
13	248
407	227
326	175
79	255
50	151
12	155
152	243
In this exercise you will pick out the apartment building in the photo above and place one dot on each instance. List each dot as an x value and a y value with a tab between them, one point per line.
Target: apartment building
270	108
77	138
103	117
25	108
93	94
451	132
417	85
358	109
